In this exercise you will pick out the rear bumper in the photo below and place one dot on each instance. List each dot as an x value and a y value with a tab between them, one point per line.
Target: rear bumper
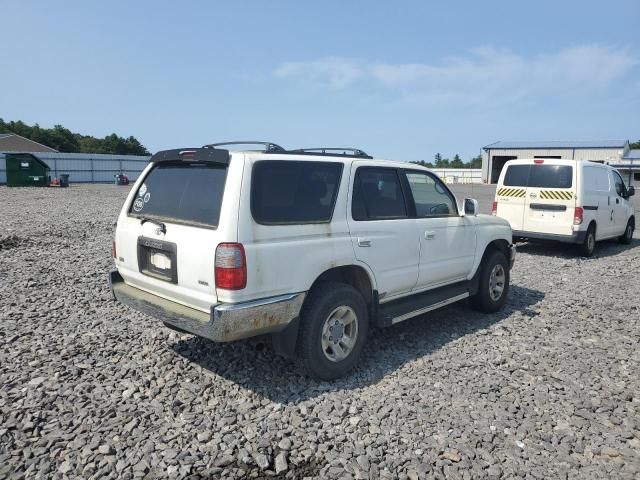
575	237
224	323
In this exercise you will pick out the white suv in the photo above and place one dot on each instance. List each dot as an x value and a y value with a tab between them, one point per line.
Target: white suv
313	247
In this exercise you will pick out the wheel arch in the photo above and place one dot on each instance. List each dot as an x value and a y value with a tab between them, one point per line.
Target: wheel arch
357	276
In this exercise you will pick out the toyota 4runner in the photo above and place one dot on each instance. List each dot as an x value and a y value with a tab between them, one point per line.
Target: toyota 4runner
313	247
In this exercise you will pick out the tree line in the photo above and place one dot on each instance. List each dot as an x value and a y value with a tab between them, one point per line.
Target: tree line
456	162
64	140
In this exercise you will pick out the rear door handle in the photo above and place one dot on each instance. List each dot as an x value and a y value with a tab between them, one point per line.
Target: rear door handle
429	234
363	242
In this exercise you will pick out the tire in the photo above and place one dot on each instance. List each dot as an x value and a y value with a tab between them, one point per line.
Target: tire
589	245
331	302
494	267
627	236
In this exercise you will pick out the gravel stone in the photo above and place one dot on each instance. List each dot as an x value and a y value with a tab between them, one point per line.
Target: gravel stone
92	389
281	462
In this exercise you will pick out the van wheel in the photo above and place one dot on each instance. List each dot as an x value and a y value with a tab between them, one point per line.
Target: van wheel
333	330
627	236
589	245
493	283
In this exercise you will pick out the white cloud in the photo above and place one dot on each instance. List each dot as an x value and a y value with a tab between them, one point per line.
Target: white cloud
335	72
484	74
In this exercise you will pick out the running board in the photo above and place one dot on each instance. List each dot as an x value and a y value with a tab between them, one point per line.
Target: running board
405	308
415	313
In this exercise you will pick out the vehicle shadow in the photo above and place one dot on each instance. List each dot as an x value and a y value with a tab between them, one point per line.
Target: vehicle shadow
605	248
278	379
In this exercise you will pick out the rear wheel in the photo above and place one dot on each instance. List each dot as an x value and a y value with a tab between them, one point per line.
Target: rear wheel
627	236
493	283
589	245
333	330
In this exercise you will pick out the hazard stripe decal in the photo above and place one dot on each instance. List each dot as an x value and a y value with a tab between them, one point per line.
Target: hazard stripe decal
511	192
555	195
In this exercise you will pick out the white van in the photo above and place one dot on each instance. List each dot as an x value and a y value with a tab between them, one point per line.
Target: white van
573	201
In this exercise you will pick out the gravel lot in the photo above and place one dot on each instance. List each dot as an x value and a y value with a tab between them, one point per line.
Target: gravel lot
547	388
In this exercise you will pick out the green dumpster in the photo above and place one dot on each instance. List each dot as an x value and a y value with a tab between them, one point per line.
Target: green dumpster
25	170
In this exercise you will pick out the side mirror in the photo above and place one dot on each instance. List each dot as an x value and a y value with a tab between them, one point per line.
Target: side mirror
471	206
631	191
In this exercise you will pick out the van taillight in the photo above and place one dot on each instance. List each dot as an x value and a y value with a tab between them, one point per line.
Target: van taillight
578	216
231	266
494	208
113	250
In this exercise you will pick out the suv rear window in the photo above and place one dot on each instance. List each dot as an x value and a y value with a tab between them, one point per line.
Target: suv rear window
292	192
182	192
539	176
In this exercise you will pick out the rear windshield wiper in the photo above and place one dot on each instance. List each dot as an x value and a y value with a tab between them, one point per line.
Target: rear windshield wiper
163	227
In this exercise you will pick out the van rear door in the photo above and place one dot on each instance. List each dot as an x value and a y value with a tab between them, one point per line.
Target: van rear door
168	231
510	195
550	198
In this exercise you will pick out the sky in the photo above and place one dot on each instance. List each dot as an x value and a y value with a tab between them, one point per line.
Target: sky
398	79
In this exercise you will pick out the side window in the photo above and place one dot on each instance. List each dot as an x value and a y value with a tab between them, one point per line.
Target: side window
619	184
287	192
431	197
377	195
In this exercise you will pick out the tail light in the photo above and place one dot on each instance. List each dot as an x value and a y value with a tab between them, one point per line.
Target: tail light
538	161
578	216
494	208
113	250
231	266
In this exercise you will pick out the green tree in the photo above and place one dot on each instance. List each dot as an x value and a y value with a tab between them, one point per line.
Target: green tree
64	140
442	163
476	162
635	145
457	162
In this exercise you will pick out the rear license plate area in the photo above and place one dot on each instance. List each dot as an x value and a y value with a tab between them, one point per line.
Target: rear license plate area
157	259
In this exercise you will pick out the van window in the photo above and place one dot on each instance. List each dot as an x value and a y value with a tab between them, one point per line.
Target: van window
621	190
288	192
516	176
539	176
377	195
181	192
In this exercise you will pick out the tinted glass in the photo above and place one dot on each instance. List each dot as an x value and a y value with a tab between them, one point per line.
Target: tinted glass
288	192
551	176
377	195
182	192
619	184
539	176
430	196
516	176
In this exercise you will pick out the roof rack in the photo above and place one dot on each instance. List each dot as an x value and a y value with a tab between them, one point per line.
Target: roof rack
333	151
268	146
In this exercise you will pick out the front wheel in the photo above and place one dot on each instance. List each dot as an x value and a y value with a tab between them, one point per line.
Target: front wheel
493	283
334	327
627	236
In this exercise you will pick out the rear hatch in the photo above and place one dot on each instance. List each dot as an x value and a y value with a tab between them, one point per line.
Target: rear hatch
168	231
539	196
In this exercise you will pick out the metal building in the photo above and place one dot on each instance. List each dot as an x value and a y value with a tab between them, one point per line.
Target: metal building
613	152
86	167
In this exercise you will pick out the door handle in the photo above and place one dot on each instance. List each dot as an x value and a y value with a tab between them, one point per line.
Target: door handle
429	234
363	242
